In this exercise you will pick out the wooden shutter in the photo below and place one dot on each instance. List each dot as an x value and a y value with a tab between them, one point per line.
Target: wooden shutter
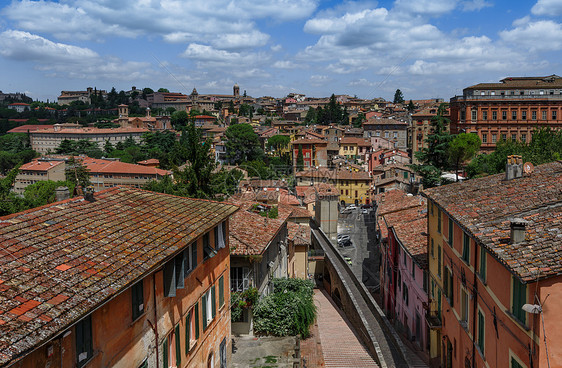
221	291
180	272
170	279
165	353
193	256
187	331
186	262
213	302
178	345
196	321
481	331
204	311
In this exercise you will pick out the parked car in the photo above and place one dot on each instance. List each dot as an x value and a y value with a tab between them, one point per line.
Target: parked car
364	211
345	243
343	237
351	207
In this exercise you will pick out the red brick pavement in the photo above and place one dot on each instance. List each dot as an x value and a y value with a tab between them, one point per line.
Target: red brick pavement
311	350
338	344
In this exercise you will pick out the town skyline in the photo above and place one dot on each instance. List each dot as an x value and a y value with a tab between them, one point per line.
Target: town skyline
369	49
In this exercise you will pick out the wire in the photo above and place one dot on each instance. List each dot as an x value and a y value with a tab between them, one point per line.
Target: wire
169	72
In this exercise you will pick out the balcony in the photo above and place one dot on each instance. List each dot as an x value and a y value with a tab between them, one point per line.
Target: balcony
433	320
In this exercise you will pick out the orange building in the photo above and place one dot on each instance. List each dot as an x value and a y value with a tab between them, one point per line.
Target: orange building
120	278
510	109
495	270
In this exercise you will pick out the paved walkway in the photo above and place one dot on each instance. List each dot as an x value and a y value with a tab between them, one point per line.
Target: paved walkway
340	346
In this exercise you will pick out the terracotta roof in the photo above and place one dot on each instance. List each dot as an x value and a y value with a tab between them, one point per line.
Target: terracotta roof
410	227
250	233
484	208
93	130
39	165
31	128
330	175
151	161
522	82
396	200
309	141
299	234
18	104
97	165
60	261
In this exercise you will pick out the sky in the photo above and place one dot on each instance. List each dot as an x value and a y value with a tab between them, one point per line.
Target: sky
425	48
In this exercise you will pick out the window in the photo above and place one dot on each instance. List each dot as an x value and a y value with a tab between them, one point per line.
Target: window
464	307
439	221
189	331
466	248
494	138
504	115
534	114
220	235
221	291
473	114
239	278
494	115
170	278
404	257
553	114
413	270
543	113
448	285
484	114
504	137
482	266
513	137
137	300
209	307
180	271
519	293
432	249
178	347
84	349
222	352
515	363
451	233
481	331
439	261
484	138
514	115
208	251
524	115
193	256
405	293
523	137
196	319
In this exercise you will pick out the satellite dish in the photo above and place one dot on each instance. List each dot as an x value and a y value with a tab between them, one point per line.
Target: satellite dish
528	168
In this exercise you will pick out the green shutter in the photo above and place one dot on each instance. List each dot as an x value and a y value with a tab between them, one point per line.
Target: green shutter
481	331
165	353
204	311
178	346
213	302
187	332
519	299
196	321
450	236
221	291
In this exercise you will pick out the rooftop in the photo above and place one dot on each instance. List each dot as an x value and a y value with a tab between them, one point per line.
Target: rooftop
98	165
250	233
60	261
552	81
484	207
299	234
39	165
410	226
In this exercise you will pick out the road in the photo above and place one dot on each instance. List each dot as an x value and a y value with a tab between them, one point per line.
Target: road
364	254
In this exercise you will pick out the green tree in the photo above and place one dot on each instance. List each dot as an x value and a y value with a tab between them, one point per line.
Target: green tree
108	147
164	90
462	148
242	144
77	174
300	159
311	116
44	192
398	97
359	120
278	142
411	106
179	119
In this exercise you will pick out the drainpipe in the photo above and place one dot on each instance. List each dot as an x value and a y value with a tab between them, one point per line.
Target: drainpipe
474	304
155	317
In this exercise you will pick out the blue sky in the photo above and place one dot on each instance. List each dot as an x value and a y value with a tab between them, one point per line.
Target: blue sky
427	48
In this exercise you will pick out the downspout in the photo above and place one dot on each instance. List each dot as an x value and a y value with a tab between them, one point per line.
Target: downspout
155	317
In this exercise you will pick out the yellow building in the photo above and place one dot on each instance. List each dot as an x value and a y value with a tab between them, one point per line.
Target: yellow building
354	187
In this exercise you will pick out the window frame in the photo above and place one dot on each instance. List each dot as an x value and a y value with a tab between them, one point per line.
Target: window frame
464	307
451	231
482	264
466	248
137	300
84	341
518	296
481	331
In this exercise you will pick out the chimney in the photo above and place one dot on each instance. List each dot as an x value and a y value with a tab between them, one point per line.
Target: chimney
518	229
513	167
89	193
62	193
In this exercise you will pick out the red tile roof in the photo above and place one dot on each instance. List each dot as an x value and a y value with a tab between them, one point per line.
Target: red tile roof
299	234
97	165
396	200
60	261
309	141
251	234
37	165
410	227
30	128
484	207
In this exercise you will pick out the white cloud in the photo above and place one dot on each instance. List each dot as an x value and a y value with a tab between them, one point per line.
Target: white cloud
362	83
319	80
475	5
285	64
429	7
233	41
543	35
207	53
551	8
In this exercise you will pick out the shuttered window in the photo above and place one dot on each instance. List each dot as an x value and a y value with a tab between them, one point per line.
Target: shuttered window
137	299
481	331
193	256
165	353
170	278
188	326
466	248
196	320
519	299
482	268
180	271
450	236
84	349
221	291
178	345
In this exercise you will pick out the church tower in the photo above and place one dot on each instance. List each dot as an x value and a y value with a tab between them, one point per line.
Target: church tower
236	90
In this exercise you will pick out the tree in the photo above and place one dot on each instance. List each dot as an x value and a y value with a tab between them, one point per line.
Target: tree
435	157
310	116
398	97
358	121
462	148
300	159
278	142
165	90
411	106
44	192
242	144
77	174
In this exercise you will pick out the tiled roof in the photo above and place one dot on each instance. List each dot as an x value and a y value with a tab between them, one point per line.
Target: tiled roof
60	261
30	128
97	165
92	130
483	207
299	234
521	82
39	165
250	233
328	174
309	141
410	226
396	200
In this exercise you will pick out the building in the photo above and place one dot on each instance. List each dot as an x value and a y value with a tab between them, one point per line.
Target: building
47	140
403	272
495	269
66	97
421	127
354	186
510	109
145	122
393	176
258	254
395	131
314	151
39	170
120	278
19	106
299	242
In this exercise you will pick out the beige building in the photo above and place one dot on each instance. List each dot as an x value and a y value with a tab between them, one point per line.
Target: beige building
47	140
39	170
